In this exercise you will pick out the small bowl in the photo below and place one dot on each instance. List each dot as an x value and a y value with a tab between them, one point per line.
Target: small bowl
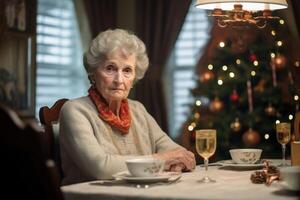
245	156
291	176
145	167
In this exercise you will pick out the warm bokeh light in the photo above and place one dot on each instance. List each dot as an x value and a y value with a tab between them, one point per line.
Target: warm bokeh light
253	73
291	117
222	44
238	61
281	21
220	82
255	63
277	121
267	136
297	63
224	68
190	128
210	66
279	43
231	74
198	103
296	97
273	32
272	55
197	115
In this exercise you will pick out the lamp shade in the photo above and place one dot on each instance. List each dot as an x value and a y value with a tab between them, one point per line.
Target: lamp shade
250	5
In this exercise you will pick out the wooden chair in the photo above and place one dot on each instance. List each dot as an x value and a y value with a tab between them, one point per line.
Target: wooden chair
49	119
26	173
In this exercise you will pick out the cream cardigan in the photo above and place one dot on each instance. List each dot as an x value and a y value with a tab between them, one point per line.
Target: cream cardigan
91	149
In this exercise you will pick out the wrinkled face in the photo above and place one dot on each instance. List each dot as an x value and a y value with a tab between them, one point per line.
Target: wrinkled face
114	78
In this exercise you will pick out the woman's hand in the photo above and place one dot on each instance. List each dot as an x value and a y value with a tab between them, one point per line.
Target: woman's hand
178	160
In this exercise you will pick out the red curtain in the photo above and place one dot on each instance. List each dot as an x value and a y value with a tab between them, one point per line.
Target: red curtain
158	25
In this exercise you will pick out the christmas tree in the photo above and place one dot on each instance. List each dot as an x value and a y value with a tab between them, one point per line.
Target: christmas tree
244	90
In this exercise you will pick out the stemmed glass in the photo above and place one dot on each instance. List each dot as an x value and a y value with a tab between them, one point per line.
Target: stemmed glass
283	133
206	142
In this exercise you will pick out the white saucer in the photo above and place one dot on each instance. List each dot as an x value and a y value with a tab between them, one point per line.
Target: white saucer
231	163
165	176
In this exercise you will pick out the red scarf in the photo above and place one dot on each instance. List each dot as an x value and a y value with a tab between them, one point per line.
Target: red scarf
122	123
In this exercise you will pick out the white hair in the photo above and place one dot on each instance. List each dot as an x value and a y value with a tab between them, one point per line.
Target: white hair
110	40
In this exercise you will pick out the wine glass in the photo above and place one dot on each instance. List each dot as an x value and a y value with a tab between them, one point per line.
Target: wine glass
283	133
206	142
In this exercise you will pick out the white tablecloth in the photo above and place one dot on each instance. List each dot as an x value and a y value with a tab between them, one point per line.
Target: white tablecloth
231	184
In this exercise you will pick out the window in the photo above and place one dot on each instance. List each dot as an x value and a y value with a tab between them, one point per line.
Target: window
180	73
60	73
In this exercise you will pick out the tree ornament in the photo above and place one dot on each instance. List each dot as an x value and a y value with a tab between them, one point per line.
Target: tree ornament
270	110
236	125
251	137
216	105
279	61
234	97
252	57
249	92
274	76
206	76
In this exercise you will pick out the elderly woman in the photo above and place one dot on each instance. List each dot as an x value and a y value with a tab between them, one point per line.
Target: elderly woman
100	131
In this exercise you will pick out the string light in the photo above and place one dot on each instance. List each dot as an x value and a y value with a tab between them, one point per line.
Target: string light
272	55
253	73
198	103
220	82
210	67
190	128
273	33
238	61
277	121
296	97
267	136
281	21
231	75
197	115
222	44
297	64
291	117
224	68
255	63
279	43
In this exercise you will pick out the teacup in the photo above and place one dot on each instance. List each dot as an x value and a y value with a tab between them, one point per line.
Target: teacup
245	156
145	167
291	176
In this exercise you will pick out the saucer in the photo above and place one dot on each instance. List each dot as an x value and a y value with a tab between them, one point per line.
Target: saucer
163	177
231	163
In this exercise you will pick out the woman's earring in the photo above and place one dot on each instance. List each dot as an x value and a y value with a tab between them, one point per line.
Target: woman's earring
93	82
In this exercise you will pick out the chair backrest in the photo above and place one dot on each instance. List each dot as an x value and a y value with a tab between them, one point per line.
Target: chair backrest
49	119
26	171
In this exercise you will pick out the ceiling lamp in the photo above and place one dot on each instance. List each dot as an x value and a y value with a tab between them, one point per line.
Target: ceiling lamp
241	12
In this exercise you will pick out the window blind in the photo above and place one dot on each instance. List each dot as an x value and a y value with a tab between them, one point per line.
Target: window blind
60	73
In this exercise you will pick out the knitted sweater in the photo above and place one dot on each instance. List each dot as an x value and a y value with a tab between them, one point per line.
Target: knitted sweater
92	149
